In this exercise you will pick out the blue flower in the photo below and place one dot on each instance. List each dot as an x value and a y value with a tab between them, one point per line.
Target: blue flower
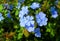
6	6
53	12
35	5
21	1
55	15
18	6
10	7
41	19
37	32
22	22
30	23
24	11
27	22
8	15
30	29
21	14
1	17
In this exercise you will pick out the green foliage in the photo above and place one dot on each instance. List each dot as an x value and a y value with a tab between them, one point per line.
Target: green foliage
19	36
50	29
1	7
16	13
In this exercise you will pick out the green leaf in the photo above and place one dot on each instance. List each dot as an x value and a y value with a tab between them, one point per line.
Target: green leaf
26	33
50	29
52	33
1	7
20	35
16	13
15	26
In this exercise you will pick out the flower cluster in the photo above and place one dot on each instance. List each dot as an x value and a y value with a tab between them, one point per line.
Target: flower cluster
21	1
11	7
37	32
35	5
1	17
41	19
8	15
29	23
24	11
26	21
53	12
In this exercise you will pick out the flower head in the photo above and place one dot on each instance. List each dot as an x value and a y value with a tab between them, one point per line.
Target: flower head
28	23
41	19
53	12
6	6
10	7
24	11
35	5
8	15
21	1
37	32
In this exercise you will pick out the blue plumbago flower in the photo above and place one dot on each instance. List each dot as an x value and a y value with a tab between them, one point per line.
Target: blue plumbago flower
30	28
11	7
35	5
6	6
37	32
41	19
28	23
21	1
1	17
18	6
53	12
21	14
24	11
8	15
22	22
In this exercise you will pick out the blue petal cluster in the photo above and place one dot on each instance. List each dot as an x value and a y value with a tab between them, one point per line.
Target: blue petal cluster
6	6
1	17
41	19
8	15
21	1
53	12
24	11
10	7
26	20
35	5
28	23
37	32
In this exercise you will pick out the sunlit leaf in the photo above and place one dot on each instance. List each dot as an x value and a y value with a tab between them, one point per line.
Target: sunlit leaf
26	33
20	35
1	7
